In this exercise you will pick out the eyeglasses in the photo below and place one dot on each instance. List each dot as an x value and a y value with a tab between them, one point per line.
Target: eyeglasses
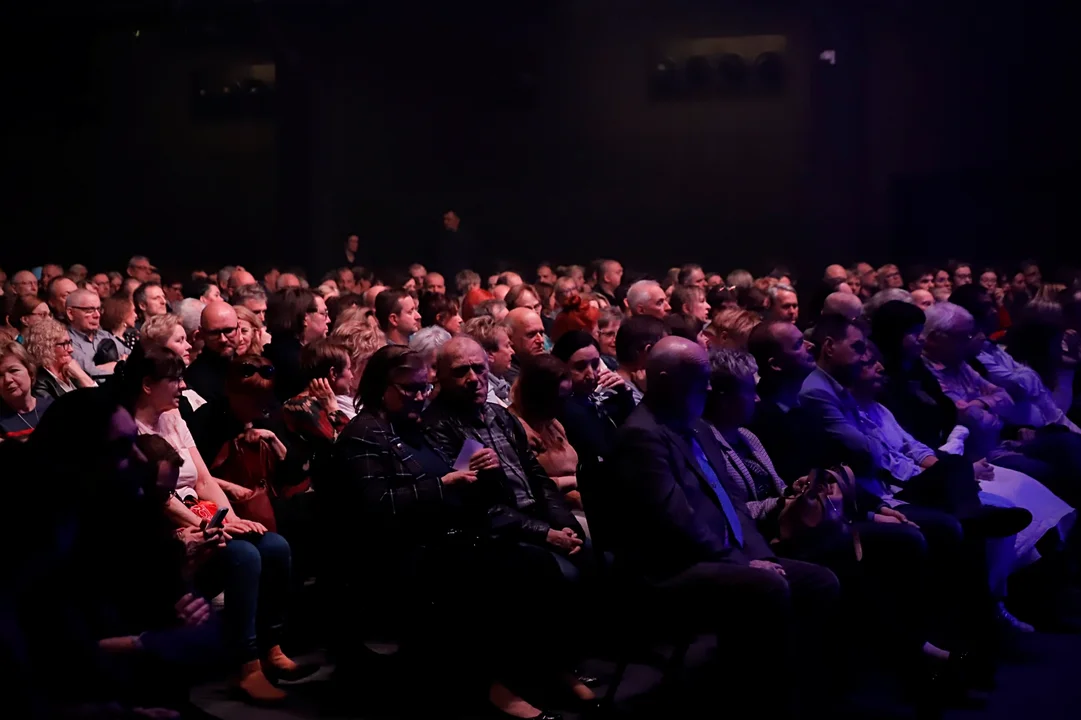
264	371
66	344
88	310
324	312
414	389
220	331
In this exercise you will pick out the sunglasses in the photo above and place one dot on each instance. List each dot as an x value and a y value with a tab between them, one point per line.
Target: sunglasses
264	371
461	371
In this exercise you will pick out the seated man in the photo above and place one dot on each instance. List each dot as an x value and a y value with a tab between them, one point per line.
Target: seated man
1052	455
677	526
523	502
942	498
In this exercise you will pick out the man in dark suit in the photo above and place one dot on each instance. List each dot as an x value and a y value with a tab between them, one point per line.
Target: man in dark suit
678	525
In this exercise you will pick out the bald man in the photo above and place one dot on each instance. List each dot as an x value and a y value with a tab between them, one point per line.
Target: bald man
58	291
844	304
680	524
836	272
434	283
288	280
923	299
218	329
369	296
239	279
526	331
531	509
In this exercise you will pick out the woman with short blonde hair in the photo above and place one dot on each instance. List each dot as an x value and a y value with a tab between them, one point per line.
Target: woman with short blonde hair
362	341
731	328
48	343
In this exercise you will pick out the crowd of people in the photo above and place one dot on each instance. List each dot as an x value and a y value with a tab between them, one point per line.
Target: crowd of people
863	458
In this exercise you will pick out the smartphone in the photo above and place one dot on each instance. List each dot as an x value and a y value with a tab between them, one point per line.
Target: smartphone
218	519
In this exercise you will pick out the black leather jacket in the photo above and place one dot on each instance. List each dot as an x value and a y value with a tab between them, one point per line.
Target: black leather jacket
447	431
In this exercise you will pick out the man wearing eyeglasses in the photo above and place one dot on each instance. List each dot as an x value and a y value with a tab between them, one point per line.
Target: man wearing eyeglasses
83	309
218	328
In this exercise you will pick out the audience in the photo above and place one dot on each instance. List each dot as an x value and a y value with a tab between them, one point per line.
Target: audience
908	434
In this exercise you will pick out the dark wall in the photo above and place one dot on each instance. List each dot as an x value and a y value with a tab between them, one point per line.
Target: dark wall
938	133
110	161
593	169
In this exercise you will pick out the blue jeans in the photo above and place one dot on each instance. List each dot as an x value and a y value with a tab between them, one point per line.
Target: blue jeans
253	571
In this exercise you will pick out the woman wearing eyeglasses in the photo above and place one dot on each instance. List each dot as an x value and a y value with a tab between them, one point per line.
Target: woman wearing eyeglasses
389	496
254	567
49	345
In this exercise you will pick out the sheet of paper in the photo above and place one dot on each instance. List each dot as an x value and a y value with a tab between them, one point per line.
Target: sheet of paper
469	449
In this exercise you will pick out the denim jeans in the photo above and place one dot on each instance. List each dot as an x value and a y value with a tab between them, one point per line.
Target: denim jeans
253	571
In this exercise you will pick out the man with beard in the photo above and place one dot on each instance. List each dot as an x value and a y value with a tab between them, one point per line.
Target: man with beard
525	502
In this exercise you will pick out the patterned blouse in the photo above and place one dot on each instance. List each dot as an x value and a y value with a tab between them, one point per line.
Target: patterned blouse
313	430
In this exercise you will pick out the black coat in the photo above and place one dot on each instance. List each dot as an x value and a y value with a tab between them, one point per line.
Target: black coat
661	512
447	433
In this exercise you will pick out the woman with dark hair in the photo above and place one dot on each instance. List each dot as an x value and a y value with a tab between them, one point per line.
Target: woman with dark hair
254	567
27	310
424	535
436	309
388	488
295	317
537	399
600	399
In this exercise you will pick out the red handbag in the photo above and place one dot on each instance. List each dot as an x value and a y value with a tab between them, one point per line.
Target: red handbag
250	465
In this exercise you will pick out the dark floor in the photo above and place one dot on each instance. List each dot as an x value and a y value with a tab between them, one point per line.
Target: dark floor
1039	678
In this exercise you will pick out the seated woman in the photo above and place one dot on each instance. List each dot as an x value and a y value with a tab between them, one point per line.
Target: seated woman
242	435
20	411
27	310
731	328
600	399
118	319
253	336
312	417
165	331
49	345
418	527
254	567
536	399
361	340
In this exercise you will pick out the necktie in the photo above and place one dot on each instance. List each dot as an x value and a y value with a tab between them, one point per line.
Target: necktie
735	529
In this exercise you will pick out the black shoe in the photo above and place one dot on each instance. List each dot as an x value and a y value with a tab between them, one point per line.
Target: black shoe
996	522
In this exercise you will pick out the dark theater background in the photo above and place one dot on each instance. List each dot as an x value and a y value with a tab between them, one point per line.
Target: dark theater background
932	130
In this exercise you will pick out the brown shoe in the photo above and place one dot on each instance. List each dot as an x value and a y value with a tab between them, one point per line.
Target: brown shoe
253	685
278	666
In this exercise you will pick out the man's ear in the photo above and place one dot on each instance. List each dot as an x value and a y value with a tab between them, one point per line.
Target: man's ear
773	364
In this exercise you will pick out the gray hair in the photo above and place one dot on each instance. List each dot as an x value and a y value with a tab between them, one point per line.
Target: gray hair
254	291
609	316
882	297
739	279
730	363
77	297
427	341
945	317
638	293
190	312
779	288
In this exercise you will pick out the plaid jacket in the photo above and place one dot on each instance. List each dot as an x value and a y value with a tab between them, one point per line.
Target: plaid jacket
509	512
372	473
